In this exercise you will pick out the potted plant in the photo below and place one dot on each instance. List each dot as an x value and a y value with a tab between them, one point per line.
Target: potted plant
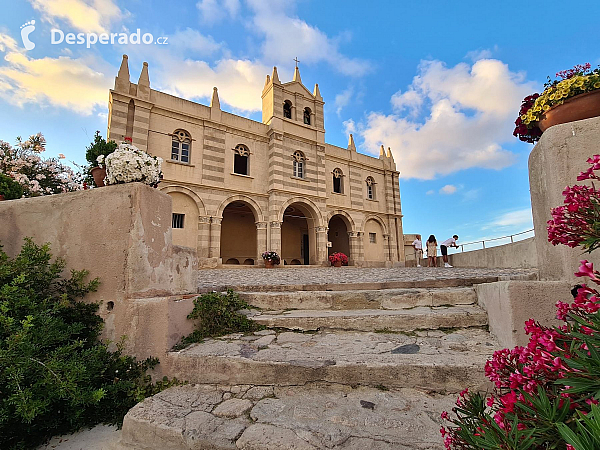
271	259
575	95
338	259
98	148
128	164
9	188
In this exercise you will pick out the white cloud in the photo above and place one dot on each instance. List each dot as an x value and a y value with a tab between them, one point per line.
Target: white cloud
513	219
349	126
448	189
239	81
65	82
214	11
287	37
430	192
190	40
343	99
94	16
470	114
476	55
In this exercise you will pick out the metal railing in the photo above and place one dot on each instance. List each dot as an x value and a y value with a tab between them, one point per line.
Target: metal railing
511	236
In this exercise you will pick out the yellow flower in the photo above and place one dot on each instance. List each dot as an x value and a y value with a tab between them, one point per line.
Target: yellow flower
546	107
597	85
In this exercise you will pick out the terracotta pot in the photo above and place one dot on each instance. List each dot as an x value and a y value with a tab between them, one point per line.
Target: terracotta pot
582	106
269	264
99	173
337	264
1	197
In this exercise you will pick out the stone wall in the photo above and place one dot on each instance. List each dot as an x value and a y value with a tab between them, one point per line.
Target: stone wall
554	163
520	254
121	234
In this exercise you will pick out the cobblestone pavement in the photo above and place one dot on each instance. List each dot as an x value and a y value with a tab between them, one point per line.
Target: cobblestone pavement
219	278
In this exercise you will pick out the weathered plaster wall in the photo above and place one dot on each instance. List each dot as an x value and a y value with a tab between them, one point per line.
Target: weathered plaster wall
521	254
121	234
554	163
510	304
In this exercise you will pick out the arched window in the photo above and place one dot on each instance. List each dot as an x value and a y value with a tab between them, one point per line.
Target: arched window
307	112
287	109
370	188
181	146
338	181
241	161
299	164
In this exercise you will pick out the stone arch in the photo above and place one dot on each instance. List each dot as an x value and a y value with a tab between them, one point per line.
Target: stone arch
185	217
255	207
188	192
346	217
315	213
375	240
375	218
241	230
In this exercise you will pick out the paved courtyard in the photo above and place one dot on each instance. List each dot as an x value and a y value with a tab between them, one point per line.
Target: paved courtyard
209	279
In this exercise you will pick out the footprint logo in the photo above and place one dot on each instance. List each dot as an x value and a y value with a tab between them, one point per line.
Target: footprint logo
26	29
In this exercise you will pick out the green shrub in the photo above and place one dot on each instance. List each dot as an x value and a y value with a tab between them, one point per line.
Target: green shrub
218	314
55	375
9	188
99	147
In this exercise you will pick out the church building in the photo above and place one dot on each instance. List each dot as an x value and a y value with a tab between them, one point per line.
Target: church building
241	187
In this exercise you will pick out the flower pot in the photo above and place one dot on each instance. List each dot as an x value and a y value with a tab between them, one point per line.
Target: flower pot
582	106
269	264
337	264
99	173
1	197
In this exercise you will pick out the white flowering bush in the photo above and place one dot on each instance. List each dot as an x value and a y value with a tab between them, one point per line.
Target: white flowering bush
128	164
37	176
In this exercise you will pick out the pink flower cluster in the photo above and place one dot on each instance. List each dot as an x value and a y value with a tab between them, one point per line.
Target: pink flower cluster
579	69
571	224
37	175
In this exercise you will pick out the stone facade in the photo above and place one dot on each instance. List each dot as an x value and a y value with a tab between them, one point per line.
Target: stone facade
241	187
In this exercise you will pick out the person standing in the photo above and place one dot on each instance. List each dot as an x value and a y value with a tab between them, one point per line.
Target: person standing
431	251
418	246
450	242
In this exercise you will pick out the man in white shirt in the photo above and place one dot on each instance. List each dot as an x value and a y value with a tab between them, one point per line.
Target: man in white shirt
451	242
418	246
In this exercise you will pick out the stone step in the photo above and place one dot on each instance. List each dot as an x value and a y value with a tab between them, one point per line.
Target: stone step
433	360
419	318
437	282
361	298
312	417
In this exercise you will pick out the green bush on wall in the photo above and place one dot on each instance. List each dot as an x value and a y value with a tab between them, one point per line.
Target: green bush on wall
9	188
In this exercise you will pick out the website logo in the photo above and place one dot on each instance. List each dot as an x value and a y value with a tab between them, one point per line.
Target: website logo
26	29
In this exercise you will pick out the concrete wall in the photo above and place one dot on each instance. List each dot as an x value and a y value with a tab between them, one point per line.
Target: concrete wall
521	254
510	304
121	234
554	163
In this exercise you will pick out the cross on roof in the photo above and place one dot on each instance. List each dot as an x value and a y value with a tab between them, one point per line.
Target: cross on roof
297	61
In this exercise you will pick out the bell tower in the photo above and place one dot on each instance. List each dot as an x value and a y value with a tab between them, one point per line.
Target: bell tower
292	102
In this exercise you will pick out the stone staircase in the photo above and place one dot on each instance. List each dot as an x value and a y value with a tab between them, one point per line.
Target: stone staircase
339	367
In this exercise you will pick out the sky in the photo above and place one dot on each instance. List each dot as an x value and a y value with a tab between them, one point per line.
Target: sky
438	82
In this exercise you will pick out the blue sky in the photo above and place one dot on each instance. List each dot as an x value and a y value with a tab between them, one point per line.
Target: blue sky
439	82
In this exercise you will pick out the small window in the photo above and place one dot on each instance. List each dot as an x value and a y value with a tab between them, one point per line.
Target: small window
337	181
370	188
240	160
180	146
373	238
287	109
299	164
307	112
178	220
